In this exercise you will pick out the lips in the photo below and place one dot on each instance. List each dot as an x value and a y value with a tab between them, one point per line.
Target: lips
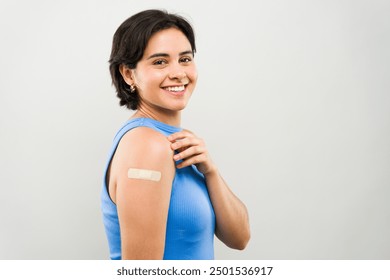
178	90
175	88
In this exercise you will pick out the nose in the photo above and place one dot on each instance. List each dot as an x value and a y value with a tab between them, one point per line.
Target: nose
177	73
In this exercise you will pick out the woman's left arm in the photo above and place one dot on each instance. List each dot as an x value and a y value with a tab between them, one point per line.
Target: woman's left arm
232	222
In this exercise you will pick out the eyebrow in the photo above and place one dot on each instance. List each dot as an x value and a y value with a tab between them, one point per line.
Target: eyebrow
167	55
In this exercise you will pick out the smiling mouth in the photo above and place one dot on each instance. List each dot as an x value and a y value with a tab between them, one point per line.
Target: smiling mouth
175	89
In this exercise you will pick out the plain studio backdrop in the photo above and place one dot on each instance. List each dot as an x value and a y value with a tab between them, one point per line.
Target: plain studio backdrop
292	100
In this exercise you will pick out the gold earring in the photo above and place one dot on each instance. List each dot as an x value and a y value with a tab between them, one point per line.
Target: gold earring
132	88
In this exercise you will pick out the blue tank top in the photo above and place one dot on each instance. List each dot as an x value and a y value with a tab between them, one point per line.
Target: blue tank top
191	218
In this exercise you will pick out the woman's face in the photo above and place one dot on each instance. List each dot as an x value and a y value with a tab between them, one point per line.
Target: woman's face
166	75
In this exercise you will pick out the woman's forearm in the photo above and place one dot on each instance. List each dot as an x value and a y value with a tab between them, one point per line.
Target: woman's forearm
232	221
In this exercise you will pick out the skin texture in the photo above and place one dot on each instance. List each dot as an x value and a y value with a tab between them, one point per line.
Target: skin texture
142	204
167	61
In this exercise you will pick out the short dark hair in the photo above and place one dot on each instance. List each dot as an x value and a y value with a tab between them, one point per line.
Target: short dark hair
129	43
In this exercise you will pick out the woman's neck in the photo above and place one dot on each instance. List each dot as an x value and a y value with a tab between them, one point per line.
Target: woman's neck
170	118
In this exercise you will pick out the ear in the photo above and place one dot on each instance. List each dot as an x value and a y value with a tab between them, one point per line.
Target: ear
127	74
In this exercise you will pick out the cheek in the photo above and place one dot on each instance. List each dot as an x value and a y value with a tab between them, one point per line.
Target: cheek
150	79
193	74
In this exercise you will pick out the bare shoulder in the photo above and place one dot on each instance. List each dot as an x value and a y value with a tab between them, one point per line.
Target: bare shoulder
141	148
142	204
145	140
145	148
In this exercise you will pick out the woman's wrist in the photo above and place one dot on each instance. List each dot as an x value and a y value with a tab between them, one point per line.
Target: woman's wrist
211	172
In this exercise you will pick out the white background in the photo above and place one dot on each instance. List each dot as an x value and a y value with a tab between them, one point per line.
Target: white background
293	101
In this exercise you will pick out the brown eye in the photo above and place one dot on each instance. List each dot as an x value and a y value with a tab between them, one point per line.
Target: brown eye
185	59
160	62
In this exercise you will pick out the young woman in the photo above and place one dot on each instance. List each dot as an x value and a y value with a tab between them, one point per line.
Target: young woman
163	197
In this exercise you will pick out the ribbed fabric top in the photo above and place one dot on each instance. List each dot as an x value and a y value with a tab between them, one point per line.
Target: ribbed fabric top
191	218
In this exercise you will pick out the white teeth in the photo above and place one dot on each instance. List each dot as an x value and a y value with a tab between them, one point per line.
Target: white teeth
180	88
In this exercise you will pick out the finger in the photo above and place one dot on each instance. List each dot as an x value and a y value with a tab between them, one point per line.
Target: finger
185	142
190	152
192	160
180	135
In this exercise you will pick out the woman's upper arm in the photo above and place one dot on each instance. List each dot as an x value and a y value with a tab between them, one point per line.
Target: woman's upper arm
143	204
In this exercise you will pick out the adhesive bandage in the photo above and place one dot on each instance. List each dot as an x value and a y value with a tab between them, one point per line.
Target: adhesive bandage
144	174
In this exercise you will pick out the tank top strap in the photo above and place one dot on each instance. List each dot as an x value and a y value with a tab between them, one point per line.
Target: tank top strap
145	122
